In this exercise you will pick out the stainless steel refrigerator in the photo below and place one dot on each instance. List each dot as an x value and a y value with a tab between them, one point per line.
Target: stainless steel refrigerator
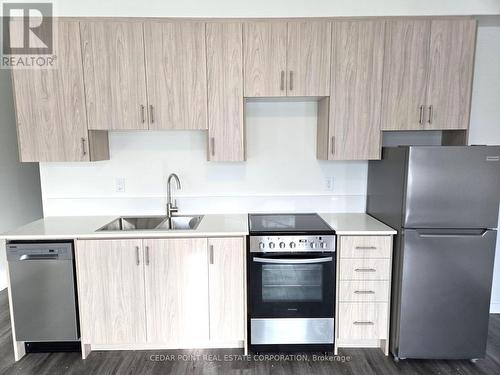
444	202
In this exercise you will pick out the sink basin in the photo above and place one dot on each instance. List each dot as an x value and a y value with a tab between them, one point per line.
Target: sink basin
180	223
153	223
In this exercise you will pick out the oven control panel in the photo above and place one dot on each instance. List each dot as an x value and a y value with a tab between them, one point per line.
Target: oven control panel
263	244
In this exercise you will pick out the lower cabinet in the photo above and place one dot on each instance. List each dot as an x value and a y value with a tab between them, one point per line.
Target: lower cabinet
110	278
363	291
161	293
176	290
226	289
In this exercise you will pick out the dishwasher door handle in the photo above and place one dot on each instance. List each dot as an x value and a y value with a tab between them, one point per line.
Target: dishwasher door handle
39	257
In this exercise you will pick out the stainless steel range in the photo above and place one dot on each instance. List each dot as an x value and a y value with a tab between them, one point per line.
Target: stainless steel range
291	282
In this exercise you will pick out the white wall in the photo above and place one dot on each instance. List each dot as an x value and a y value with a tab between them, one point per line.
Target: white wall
274	8
20	198
281	172
485	115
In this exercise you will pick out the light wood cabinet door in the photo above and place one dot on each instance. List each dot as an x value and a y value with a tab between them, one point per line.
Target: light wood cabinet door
406	66
264	55
355	100
50	104
115	78
225	91
452	46
308	58
227	289
176	75
177	291
110	278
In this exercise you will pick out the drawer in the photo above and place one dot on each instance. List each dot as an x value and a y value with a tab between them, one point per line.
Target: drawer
365	246
364	269
363	320
363	291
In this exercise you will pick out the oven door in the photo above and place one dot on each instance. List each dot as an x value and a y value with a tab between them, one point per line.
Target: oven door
292	285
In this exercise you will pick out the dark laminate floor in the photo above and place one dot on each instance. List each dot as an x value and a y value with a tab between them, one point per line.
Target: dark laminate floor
366	361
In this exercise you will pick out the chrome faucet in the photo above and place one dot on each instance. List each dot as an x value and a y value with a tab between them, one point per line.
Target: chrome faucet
172	207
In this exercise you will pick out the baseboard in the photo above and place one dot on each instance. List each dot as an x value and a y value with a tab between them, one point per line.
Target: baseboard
495	308
163	346
354	343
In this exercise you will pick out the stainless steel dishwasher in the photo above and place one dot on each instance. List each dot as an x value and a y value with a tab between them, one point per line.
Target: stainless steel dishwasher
43	291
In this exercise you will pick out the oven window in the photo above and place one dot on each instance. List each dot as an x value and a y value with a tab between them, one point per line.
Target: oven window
292	282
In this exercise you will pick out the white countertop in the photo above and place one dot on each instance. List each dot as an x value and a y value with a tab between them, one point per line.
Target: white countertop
84	227
356	224
221	225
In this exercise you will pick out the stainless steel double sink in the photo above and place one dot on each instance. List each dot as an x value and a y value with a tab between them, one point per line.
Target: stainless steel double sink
153	223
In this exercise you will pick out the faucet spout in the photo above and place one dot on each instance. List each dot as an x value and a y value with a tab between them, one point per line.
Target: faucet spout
172	207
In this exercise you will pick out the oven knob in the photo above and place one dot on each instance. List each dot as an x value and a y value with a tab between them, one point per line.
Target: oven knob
323	245
282	245
271	245
313	245
262	245
292	245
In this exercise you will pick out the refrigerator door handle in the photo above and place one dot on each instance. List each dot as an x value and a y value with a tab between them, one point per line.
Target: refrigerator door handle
467	234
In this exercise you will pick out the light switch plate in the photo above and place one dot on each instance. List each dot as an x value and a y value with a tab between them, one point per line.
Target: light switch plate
329	183
120	185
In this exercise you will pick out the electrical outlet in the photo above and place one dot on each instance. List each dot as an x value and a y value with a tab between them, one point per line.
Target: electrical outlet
329	183
120	185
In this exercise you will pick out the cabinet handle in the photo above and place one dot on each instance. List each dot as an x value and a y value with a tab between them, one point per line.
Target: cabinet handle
212	145
366	248
291	80
137	260
363	323
364	292
365	270
147	255
143	117
151	113
421	115
430	114
333	146
84	148
211	254
282	82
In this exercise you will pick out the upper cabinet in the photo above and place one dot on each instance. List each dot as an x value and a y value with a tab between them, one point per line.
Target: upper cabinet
225	91
264	46
176	74
369	75
405	74
50	106
428	73
287	58
308	58
355	100
115	76
450	73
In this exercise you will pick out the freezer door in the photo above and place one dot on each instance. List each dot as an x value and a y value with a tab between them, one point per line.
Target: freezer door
453	187
445	293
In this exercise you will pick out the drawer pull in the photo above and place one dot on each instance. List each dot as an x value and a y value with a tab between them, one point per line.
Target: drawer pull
365	270
364	292
363	323
366	247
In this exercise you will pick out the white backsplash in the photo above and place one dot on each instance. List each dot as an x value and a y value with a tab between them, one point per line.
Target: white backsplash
281	172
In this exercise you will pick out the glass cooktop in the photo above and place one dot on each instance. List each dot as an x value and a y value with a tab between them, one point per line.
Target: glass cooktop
288	224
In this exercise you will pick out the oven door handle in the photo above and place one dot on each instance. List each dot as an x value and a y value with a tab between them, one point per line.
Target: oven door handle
293	261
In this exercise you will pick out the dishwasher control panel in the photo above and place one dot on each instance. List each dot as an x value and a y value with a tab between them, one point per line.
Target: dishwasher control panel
27	251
